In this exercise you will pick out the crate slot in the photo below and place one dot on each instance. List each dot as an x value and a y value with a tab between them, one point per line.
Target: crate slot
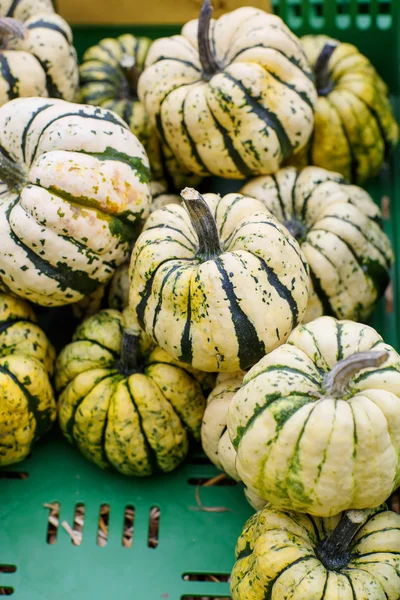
14	475
53	522
199	459
210	577
104	519
226	482
6	591
8	568
129	524
79	521
203	597
154	527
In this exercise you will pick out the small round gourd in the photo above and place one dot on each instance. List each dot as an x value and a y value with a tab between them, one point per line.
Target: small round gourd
214	432
37	55
73	193
125	404
355	128
318	417
339	229
232	97
217	282
353	556
27	405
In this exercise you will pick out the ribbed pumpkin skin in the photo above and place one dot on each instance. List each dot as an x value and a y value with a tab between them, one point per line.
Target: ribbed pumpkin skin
27	405
136	424
339	229
78	211
44	63
19	333
276	559
225	313
304	450
249	116
356	114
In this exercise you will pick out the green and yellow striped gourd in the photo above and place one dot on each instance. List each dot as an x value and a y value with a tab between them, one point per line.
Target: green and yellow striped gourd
353	556
27	405
217	282
339	229
73	193
37	57
315	424
125	404
232	97
355	128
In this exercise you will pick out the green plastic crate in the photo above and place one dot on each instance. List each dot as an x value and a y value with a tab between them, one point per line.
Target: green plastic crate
191	543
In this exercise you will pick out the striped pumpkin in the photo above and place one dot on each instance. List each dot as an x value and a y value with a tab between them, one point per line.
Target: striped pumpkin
217	283
339	229
74	191
214	431
232	97
126	405
27	405
37	57
302	422
282	555
353	110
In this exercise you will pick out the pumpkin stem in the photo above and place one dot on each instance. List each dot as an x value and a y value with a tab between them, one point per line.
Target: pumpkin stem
336	380
334	550
207	57
323	79
203	223
12	174
131	72
12	28
128	363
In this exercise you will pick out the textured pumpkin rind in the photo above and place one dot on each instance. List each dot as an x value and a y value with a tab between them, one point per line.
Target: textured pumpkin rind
276	558
19	333
304	450
43	63
85	196
136	424
27	406
356	114
222	314
348	253
255	111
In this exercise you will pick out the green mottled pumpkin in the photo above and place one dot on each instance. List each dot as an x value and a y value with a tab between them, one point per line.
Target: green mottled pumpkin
353	556
316	423
73	193
27	405
355	128
217	282
339	229
126	404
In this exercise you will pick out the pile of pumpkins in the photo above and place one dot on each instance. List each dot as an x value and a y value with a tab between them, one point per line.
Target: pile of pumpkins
234	320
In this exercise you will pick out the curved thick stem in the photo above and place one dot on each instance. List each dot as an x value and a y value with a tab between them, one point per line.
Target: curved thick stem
323	79
131	72
334	550
12	174
336	380
203	223
12	27
207	57
128	362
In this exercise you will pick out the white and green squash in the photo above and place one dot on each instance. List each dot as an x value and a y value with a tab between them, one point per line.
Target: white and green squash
316	423
351	556
126	404
27	404
73	194
339	229
37	56
232	97
217	282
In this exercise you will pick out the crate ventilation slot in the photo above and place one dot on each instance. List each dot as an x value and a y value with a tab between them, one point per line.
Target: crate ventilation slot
129	524
202	597
79	520
154	527
53	521
14	475
104	519
210	577
226	482
7	590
